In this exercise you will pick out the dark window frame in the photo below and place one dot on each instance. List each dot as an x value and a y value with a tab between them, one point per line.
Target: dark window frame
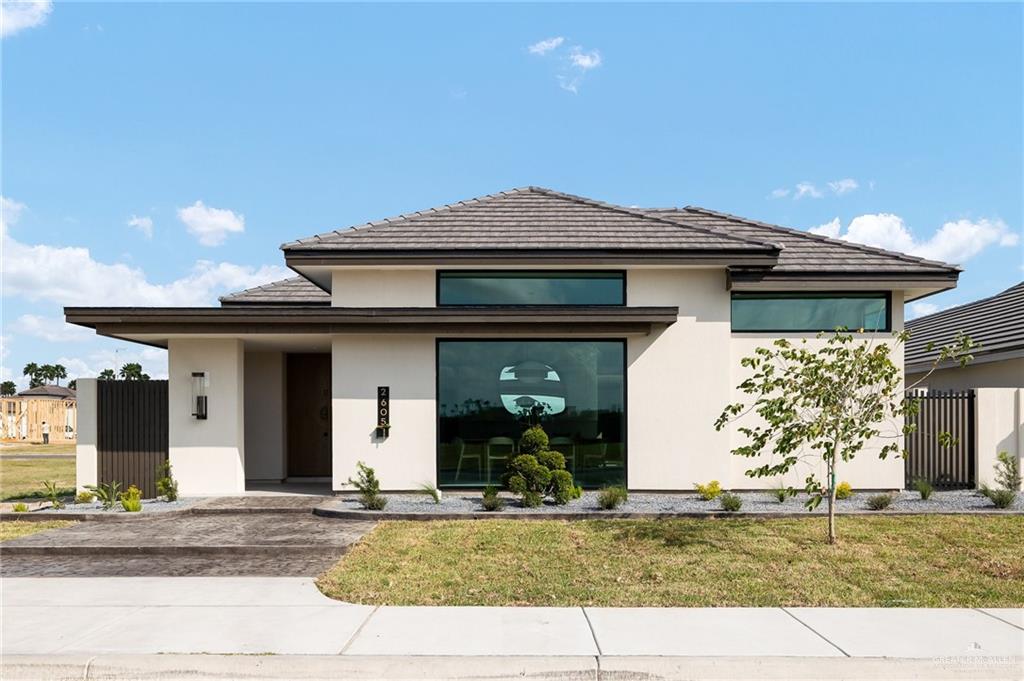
885	295
440	273
529	339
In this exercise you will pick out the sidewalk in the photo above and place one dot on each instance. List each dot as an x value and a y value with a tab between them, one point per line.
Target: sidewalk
76	618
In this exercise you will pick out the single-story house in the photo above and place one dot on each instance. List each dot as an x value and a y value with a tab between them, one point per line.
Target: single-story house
425	343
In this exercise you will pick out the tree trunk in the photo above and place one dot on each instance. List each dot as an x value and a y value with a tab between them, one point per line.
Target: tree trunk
832	503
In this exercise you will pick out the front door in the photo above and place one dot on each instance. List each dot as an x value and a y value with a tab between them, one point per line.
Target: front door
309	415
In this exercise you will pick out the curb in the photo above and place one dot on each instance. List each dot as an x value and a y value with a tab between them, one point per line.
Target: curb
259	550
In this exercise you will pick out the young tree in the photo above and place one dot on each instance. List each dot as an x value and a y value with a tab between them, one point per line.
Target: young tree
107	375
8	388
827	403
133	372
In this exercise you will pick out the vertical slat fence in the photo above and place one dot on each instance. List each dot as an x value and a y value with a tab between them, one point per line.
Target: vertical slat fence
131	432
948	411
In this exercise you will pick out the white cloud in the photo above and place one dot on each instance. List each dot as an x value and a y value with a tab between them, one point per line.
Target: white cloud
153	361
210	225
954	242
69	275
584	60
807	189
5	346
844	186
53	329
10	212
779	193
915	310
542	47
144	224
17	15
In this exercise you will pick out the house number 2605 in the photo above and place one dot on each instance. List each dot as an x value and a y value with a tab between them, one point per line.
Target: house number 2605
383	408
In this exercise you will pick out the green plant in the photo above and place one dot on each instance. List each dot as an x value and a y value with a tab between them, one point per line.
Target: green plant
107	493
843	490
611	497
1007	471
709	491
1002	498
166	485
85	498
491	501
924	488
131	499
878	502
731	502
20	507
431	491
538	472
831	398
781	493
52	493
369	488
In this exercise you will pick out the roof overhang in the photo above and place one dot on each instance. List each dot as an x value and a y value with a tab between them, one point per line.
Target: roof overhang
914	285
154	325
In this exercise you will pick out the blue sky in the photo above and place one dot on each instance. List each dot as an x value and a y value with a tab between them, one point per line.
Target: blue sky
222	130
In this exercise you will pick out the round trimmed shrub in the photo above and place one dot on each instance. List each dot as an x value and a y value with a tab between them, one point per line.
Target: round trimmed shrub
534	440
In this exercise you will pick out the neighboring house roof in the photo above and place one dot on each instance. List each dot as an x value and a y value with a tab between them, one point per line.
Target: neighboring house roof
292	291
56	391
997	323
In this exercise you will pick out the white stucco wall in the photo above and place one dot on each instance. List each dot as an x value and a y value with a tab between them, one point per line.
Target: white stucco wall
999	427
405	363
265	416
208	456
86	463
384	288
1008	373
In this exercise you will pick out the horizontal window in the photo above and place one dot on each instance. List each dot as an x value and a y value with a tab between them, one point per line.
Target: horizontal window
531	288
810	311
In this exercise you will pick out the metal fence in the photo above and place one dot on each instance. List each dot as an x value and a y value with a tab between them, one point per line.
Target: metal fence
946	467
131	435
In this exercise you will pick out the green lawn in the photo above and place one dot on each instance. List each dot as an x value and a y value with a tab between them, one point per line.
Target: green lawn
23	528
20	478
29	449
926	561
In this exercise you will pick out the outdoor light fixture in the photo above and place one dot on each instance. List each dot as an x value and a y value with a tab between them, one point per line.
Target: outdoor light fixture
199	384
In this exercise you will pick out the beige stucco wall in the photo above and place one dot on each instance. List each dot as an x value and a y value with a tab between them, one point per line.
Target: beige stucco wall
1008	373
384	288
86	463
208	456
405	363
999	427
265	416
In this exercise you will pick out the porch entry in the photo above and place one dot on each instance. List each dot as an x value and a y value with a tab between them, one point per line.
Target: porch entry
308	398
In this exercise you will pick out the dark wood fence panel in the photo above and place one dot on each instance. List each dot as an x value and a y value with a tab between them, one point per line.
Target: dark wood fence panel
131	432
945	467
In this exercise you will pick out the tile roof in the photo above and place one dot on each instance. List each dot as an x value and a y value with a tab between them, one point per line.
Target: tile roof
803	251
291	291
529	218
49	391
996	322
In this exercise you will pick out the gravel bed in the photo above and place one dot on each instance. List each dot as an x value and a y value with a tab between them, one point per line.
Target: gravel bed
753	502
149	506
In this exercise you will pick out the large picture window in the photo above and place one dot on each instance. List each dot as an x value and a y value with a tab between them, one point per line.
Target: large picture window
810	311
531	288
489	392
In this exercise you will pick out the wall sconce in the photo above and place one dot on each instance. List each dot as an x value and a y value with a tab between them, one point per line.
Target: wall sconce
199	385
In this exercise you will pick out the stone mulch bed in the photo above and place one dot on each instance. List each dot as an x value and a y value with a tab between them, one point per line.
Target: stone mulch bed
455	504
72	511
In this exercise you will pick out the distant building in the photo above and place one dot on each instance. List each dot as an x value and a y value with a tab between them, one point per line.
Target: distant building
22	416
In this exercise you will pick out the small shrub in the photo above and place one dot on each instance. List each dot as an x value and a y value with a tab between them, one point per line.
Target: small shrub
491	501
52	493
534	440
166	485
85	498
375	502
781	493
1002	498
108	493
369	488
843	490
20	507
1007	471
731	502
611	497
924	488
431	491
710	491
538	472
879	502
131	499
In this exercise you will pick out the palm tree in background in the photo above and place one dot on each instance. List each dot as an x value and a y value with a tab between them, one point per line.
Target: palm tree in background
133	372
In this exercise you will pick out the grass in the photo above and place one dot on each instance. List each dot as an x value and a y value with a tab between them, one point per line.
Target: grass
23	528
921	561
29	449
23	478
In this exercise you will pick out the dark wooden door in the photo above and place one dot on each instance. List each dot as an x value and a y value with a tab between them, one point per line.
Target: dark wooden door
309	415
131	433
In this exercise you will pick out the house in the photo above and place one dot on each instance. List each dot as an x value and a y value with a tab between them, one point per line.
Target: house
22	416
994	377
424	344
